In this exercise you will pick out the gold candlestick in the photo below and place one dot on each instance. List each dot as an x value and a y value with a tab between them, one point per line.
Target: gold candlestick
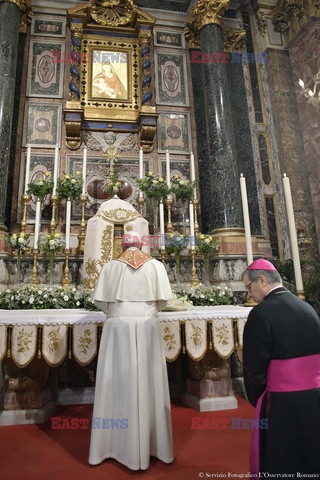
300	294
195	210
168	201
66	280
25	200
163	255
82	234
194	278
34	281
54	202
141	201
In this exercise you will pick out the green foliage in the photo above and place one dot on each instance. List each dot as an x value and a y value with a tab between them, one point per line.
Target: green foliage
70	187
206	243
183	189
45	298
113	187
41	188
153	185
50	243
207	296
175	242
19	243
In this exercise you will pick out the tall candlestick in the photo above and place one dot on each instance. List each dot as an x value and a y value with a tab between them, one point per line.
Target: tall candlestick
27	172
162	239
84	171
168	168
246	219
37	225
193	174
55	170
192	237
293	234
68	221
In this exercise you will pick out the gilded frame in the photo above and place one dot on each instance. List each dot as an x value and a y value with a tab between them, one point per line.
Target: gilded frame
121	53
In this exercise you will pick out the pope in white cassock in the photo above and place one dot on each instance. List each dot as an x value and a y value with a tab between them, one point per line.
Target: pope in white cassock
132	400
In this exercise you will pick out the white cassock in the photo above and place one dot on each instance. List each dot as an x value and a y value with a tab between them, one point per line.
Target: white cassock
132	391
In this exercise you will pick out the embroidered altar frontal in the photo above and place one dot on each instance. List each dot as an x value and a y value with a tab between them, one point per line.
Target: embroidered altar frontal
55	334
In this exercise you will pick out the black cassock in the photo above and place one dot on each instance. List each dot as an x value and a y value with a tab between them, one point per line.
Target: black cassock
282	327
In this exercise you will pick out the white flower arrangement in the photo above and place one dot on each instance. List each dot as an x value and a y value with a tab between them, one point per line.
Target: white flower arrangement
207	296
47	298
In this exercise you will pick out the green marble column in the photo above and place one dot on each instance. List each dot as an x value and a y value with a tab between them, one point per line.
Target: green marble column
9	40
221	201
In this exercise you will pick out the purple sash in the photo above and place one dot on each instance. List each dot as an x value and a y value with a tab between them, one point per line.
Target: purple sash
290	375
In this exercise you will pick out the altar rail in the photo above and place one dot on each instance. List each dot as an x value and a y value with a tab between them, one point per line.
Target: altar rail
55	334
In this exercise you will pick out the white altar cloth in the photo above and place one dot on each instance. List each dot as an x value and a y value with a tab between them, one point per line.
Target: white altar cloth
57	333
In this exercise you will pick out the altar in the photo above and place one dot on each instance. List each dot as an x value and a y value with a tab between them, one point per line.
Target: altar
51	336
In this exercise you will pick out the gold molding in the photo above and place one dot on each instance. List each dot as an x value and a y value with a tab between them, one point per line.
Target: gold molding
73	115
112	12
146	137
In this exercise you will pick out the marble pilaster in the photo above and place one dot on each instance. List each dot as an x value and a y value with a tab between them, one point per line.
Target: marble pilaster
221	204
9	40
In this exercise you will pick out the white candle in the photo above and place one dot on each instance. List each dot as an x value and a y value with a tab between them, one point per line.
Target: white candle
293	234
162	239
168	168
141	164
55	170
37	225
193	174
84	171
246	219
68	220
27	172
192	237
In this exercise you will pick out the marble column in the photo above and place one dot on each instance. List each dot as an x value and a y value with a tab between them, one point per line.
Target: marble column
221	202
198	102
9	40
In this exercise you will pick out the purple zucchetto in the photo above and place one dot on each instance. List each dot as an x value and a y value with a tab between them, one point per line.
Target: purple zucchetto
261	264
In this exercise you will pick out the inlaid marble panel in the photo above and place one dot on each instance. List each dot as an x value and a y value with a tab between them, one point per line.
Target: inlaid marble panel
171	78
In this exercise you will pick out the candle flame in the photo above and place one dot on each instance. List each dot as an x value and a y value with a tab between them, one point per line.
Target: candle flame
241	174
284	174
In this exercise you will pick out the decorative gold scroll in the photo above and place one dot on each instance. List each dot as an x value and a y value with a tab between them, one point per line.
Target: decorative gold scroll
54	344
84	343
171	341
23	344
196	338
223	338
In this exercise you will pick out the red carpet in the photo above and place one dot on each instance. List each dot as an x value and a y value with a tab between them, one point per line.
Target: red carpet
38	452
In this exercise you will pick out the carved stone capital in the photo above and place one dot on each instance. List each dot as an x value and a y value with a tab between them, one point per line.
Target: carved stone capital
192	37
286	10
233	39
205	12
